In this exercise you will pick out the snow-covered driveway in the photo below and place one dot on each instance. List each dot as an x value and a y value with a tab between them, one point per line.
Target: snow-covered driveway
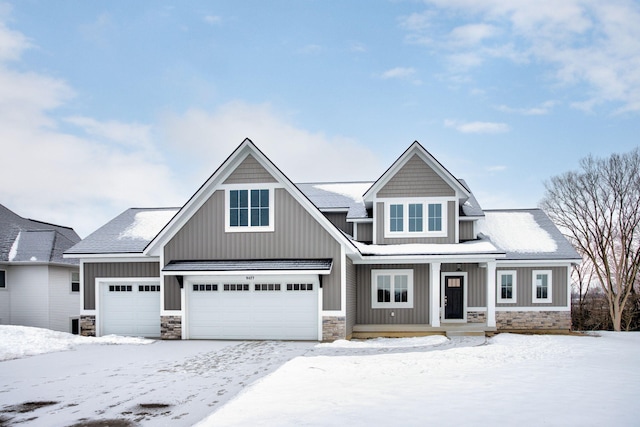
163	383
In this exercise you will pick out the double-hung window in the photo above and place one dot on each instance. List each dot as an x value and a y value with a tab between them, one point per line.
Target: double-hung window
75	281
392	288
507	286
542	286
416	218
250	209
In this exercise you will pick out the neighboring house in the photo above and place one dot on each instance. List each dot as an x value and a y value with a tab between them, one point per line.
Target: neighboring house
253	256
38	287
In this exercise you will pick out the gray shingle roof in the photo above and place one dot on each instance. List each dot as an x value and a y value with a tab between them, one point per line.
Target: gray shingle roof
526	234
338	195
250	265
28	240
116	236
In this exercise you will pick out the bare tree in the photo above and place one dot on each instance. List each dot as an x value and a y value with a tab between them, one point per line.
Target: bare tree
582	275
598	207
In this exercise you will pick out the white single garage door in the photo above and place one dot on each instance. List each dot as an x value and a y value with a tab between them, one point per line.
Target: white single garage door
130	308
264	307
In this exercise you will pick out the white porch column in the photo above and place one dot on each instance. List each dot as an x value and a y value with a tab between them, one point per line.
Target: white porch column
491	294
434	293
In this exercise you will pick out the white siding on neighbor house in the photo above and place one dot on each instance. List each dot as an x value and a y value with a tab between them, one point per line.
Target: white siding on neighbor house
29	296
5	306
63	304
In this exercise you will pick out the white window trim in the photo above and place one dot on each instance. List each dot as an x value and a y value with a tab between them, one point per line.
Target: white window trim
392	273
6	282
549	298
514	293
248	228
425	202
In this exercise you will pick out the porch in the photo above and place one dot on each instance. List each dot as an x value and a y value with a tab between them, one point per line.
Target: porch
396	331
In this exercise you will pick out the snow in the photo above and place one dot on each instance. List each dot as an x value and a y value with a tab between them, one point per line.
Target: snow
512	380
21	341
14	248
471	247
147	224
353	190
516	232
507	380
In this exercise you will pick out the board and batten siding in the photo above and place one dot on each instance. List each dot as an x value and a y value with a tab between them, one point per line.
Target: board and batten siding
339	219
352	291
418	315
296	235
365	232
249	171
476	282
524	287
466	230
116	270
416	179
381	221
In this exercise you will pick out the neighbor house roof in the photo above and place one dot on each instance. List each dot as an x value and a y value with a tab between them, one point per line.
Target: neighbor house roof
128	233
338	196
26	240
526	234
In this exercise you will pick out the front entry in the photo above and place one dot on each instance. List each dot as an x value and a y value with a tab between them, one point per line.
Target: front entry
454	297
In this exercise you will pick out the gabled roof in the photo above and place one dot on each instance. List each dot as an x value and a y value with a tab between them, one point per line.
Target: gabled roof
128	233
25	240
338	196
526	234
246	148
417	149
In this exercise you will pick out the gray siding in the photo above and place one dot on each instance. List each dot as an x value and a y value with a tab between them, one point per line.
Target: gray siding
352	307
297	235
380	223
365	232
171	293
416	179
249	171
116	270
476	282
466	230
525	290
339	219
417	315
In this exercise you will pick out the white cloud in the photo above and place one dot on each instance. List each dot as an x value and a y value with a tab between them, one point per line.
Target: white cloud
212	19
206	138
583	42
401	73
496	168
310	49
540	110
477	127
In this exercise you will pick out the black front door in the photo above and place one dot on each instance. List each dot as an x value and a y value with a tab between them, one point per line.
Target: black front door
454	297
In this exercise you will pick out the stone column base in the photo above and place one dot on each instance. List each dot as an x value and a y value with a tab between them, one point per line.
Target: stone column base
476	317
533	321
171	327
88	326
334	328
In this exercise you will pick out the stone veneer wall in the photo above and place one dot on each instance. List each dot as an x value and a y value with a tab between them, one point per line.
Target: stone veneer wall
334	328
533	320
171	327
88	326
476	317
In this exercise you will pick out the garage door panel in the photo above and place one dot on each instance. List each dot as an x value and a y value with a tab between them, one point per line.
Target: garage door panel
254	314
130	309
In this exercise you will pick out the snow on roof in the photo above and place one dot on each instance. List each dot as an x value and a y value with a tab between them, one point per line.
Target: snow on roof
471	247
353	190
14	248
147	224
516	232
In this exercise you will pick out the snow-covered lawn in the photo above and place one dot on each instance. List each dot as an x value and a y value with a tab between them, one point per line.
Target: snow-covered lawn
468	381
513	380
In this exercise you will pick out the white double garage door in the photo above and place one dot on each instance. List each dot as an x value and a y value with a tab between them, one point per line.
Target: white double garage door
219	307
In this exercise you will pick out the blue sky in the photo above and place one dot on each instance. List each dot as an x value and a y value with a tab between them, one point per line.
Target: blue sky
110	105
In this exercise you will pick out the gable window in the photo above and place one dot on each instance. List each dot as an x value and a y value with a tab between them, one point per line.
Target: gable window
249	209
416	217
3	279
75	281
507	286
392	288
542	286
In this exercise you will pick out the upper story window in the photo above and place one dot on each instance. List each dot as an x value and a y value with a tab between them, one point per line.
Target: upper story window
542	286
249	209
75	281
507	286
416	218
391	288
3	279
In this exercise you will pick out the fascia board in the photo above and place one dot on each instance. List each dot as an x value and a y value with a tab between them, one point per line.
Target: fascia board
425	259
